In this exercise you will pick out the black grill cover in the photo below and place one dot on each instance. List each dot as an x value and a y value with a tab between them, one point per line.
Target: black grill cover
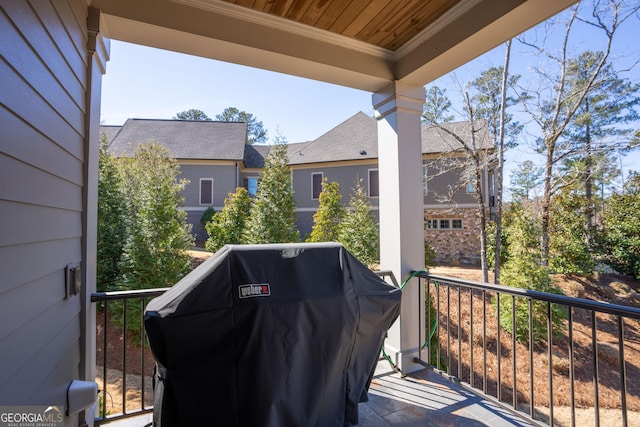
269	335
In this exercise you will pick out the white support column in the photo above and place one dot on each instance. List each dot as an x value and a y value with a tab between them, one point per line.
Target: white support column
398	108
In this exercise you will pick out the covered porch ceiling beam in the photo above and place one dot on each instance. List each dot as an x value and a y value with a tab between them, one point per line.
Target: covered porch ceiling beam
227	32
222	36
480	29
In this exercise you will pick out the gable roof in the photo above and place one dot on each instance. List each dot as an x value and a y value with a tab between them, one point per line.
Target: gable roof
355	138
185	139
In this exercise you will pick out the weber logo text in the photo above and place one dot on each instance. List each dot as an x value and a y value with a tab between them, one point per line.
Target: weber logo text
254	290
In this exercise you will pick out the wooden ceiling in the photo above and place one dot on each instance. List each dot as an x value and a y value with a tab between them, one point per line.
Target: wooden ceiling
385	23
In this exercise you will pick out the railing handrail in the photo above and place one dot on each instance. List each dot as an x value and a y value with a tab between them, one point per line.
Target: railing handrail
133	294
610	308
587	304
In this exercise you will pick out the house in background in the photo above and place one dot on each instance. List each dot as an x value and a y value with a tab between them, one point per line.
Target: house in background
210	155
452	214
350	151
345	153
216	159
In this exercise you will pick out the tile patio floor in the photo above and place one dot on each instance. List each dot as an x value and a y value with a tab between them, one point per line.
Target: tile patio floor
426	399
422	399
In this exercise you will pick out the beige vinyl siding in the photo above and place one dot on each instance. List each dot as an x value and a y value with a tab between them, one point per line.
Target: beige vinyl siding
42	112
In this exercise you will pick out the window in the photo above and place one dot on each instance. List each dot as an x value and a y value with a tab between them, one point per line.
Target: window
444	224
471	187
251	184
206	191
424	180
471	180
374	187
316	185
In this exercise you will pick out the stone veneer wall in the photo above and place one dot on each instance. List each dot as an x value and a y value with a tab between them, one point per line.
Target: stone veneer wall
455	246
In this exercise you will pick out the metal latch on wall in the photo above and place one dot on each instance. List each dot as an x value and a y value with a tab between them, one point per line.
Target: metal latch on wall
72	280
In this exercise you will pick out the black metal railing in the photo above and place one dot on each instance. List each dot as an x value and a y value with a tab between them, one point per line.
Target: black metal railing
476	346
471	345
126	389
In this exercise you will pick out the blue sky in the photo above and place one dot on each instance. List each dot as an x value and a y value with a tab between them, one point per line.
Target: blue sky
144	82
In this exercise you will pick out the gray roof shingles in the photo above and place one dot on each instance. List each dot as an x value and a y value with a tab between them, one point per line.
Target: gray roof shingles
357	138
254	155
185	139
354	139
110	131
436	140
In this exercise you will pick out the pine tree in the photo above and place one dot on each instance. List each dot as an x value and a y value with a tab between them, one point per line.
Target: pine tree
619	240
522	269
192	114
359	231
330	213
228	225
569	245
112	229
257	134
273	215
155	251
524	179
